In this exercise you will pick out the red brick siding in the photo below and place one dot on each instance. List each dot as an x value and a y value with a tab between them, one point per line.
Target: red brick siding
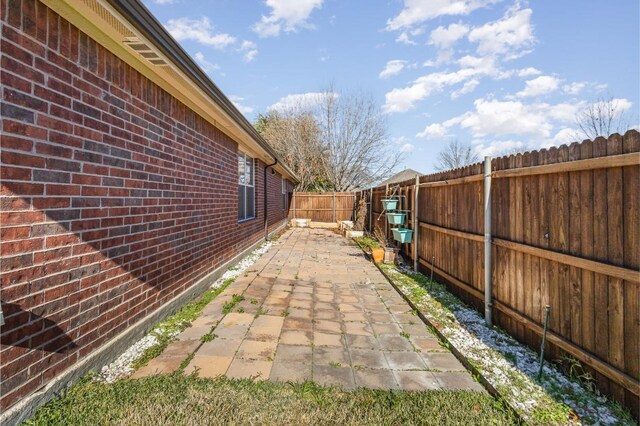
115	197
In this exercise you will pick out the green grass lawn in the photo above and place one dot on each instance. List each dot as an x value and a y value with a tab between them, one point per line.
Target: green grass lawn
186	400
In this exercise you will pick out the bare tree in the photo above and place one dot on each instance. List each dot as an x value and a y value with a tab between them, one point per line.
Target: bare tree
294	134
456	155
354	133
602	118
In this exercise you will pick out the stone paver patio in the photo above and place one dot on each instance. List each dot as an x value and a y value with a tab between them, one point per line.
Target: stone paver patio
314	308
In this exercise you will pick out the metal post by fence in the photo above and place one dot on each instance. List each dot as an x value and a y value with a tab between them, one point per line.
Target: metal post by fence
370	208
487	242
334	206
416	224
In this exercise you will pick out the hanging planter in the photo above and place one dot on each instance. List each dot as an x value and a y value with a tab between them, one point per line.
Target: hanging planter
402	235
396	218
389	203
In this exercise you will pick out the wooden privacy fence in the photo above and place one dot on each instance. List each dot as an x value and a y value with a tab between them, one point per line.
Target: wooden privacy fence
322	206
565	232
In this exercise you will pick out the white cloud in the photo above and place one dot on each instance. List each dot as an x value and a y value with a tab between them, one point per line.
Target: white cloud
511	35
407	147
286	15
496	148
467	87
165	1
206	66
528	72
392	68
539	86
404	99
249	50
494	118
434	130
445	37
199	30
574	88
237	101
565	135
301	101
404	38
418	11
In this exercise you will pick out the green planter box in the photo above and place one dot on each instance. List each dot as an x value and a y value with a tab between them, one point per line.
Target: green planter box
389	203
402	235
396	218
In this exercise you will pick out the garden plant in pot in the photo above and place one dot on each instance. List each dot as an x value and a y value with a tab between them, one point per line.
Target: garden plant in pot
390	251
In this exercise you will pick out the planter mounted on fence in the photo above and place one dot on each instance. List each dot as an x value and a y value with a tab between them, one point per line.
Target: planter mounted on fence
402	235
389	203
396	218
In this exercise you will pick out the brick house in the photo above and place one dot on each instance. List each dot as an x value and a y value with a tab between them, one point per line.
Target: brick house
129	182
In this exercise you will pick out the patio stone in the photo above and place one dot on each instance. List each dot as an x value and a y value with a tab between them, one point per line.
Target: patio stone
362	342
461	381
219	347
419	329
327	339
329	315
293	353
417	380
160	365
182	347
249	369
331	356
354	316
442	361
368	358
264	334
270	321
394	343
405	361
334	376
428	344
375	379
386	328
297	324
384	318
290	372
236	319
328	326
358	328
194	333
296	337
256	350
208	366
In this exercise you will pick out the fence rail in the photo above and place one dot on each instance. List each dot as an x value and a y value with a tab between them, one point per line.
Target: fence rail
322	206
565	232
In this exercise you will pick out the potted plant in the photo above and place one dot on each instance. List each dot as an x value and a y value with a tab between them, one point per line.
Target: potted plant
390	252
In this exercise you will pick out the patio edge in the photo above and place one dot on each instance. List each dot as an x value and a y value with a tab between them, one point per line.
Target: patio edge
474	371
24	409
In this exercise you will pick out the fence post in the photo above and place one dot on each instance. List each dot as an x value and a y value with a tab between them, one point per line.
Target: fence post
294	203
370	208
334	206
416	224
488	303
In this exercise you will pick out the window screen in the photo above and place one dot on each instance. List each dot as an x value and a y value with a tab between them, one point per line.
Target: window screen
246	187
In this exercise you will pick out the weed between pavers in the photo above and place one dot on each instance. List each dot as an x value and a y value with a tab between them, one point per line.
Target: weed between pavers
228	306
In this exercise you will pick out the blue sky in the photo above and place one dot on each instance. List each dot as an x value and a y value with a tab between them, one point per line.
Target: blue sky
499	75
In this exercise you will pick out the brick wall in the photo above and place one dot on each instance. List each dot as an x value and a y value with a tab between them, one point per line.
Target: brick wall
115	197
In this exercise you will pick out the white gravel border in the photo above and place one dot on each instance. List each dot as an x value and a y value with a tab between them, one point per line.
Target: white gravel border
121	367
507	364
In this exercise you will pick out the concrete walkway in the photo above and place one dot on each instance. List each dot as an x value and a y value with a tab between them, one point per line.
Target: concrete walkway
314	308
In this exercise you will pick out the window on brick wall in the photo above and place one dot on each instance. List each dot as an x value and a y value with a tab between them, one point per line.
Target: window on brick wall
284	193
246	187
